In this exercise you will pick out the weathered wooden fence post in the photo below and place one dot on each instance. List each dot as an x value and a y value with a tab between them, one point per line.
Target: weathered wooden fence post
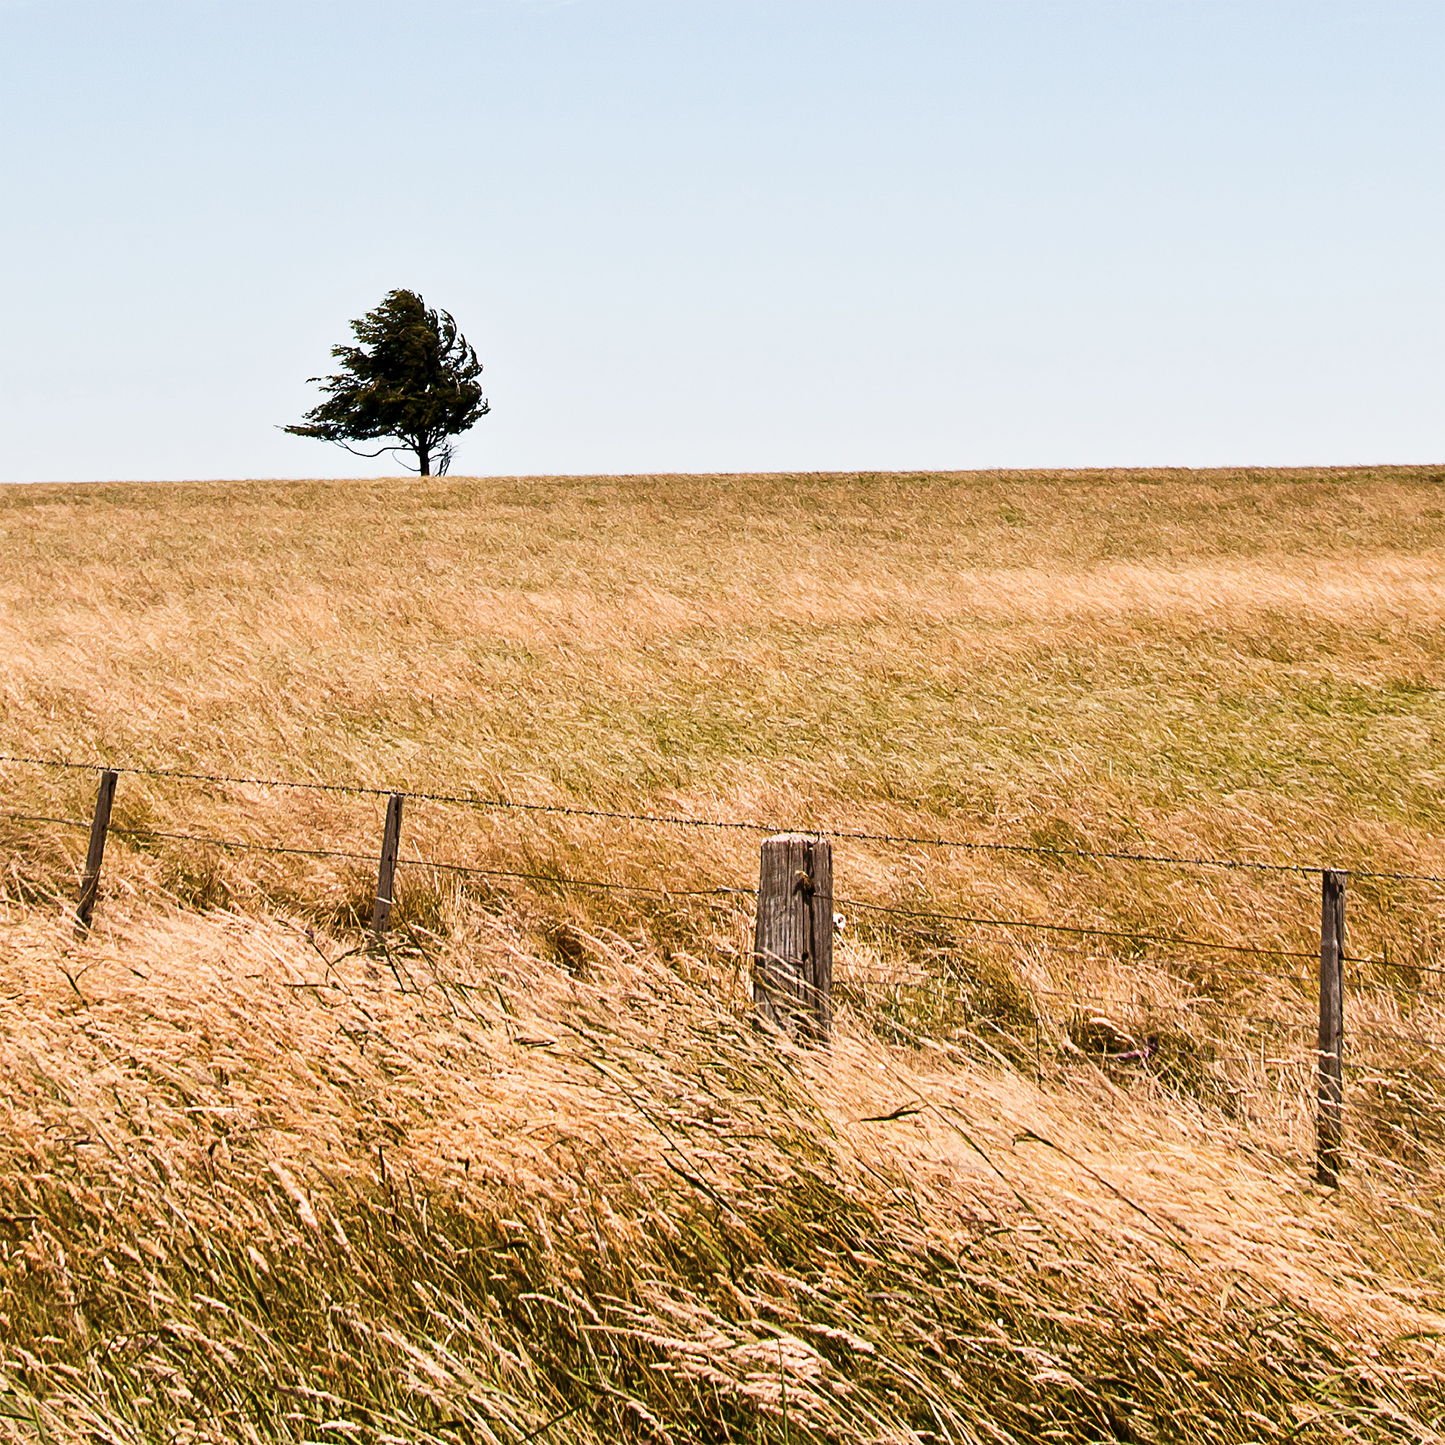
386	873
1331	1058
95	856
793	944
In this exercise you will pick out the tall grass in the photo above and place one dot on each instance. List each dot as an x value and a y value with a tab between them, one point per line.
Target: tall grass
258	1187
531	1172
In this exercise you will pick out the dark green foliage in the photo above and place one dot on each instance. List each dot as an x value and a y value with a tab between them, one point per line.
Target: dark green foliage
413	377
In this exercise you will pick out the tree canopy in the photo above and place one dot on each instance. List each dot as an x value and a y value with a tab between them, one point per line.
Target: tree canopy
412	377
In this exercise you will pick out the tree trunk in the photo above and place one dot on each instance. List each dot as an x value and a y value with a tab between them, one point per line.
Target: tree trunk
423	457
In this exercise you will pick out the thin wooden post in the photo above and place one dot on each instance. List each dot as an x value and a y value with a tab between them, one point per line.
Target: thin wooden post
95	856
1332	1028
386	873
793	944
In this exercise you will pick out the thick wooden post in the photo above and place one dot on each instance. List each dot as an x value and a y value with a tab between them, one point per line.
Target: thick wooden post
386	873
1332	1028
95	856
793	945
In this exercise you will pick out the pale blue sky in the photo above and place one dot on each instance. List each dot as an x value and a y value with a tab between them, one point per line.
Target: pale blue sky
699	236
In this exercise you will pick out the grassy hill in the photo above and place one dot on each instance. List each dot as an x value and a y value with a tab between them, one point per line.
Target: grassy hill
530	1173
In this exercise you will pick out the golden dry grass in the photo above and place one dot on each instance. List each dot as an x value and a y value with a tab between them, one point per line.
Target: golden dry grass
531	1165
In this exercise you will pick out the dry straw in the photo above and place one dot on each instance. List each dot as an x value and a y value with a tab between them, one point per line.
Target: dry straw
530	1172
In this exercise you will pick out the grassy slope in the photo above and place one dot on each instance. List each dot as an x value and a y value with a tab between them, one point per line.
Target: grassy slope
704	1240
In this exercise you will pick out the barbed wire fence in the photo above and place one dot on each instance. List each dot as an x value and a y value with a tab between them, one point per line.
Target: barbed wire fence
1392	1109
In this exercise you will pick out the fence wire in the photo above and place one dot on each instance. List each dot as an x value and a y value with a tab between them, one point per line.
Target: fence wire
936	915
685	821
1376	1092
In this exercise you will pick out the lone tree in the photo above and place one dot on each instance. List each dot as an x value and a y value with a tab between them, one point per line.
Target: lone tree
412	377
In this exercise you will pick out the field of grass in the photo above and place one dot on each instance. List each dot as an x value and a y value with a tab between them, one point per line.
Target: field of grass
530	1173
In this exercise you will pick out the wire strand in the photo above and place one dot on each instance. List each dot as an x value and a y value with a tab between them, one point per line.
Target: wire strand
233	844
1080	929
1387	1036
684	821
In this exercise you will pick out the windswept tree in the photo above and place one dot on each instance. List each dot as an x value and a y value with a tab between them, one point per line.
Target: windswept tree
411	382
